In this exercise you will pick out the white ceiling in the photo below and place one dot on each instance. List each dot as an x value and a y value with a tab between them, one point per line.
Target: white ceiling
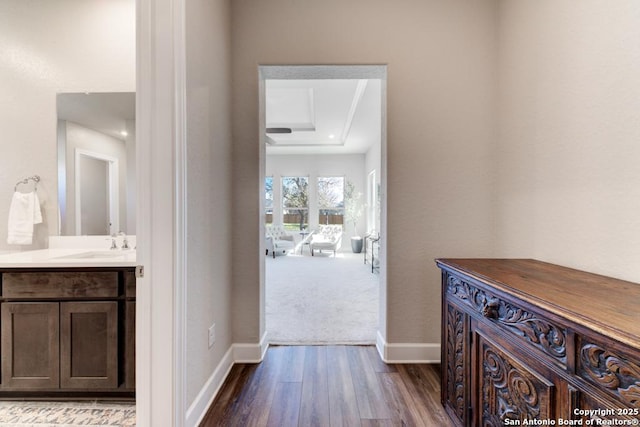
103	112
327	116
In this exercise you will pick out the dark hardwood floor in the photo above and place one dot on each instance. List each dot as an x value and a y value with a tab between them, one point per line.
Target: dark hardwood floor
328	386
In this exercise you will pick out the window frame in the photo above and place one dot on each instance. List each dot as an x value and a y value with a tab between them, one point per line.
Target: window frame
303	211
339	207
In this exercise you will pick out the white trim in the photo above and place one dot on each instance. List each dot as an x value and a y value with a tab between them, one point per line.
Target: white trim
114	189
181	215
309	72
144	107
160	139
358	72
210	390
384	305
357	96
237	353
407	352
251	353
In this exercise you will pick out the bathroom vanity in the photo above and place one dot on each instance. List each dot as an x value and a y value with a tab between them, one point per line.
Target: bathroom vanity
67	324
527	340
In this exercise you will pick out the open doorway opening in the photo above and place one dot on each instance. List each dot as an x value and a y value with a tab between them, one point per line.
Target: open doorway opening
323	131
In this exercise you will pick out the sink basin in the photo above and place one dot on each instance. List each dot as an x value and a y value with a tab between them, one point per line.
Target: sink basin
97	255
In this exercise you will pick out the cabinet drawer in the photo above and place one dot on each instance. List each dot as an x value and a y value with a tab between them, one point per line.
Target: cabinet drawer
28	285
528	325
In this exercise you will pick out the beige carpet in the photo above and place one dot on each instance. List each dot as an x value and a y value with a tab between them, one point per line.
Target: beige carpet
68	414
321	299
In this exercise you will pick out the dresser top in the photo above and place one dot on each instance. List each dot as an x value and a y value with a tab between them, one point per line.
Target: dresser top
609	306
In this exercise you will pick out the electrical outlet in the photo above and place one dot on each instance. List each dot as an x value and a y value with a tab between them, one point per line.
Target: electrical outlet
212	335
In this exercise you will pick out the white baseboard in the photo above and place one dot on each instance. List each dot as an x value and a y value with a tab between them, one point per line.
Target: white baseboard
237	353
407	352
210	390
250	353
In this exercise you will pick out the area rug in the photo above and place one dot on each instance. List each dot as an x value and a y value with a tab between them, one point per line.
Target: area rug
321	299
68	414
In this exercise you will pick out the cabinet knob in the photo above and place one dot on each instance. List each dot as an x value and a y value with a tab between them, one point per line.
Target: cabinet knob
490	309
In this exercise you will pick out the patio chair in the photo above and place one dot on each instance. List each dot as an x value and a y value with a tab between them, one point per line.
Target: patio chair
278	240
328	237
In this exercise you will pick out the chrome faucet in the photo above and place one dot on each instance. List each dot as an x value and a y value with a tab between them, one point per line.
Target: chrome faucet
125	242
114	246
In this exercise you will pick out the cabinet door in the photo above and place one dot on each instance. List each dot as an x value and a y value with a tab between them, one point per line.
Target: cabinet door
89	345
30	345
455	364
508	388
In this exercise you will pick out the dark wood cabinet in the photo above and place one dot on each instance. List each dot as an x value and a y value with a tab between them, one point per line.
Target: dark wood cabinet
527	340
500	372
456	362
89	345
30	345
68	332
130	345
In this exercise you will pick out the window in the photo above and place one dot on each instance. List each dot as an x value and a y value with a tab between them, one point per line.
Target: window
295	202
373	201
268	200
331	200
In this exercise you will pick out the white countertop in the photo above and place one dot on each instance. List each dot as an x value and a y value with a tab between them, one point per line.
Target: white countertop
78	257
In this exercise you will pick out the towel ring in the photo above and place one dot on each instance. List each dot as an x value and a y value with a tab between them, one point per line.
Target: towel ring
34	178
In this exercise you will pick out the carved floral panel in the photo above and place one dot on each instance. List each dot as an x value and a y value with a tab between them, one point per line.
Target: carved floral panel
610	371
455	361
529	326
509	391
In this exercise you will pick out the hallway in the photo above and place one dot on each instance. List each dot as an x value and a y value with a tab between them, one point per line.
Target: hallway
328	386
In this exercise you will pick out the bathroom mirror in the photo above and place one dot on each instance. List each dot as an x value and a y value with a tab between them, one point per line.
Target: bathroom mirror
96	163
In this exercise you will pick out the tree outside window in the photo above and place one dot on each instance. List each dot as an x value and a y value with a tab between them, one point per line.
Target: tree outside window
295	202
331	200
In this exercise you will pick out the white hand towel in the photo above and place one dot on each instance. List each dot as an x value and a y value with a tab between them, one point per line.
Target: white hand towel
24	213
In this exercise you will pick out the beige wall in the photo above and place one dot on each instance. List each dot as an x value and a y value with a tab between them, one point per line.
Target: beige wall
208	189
49	47
441	128
567	162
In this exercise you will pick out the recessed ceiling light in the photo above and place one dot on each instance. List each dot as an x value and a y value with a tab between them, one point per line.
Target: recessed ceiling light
123	133
332	136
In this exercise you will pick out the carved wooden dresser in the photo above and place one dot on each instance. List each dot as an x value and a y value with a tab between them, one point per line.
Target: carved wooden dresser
527	340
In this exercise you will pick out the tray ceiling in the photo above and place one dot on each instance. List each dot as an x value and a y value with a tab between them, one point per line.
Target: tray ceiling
326	116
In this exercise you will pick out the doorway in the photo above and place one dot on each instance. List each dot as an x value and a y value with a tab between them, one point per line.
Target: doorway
302	140
97	200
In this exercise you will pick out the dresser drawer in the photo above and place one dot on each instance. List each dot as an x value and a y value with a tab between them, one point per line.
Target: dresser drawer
34	285
509	315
